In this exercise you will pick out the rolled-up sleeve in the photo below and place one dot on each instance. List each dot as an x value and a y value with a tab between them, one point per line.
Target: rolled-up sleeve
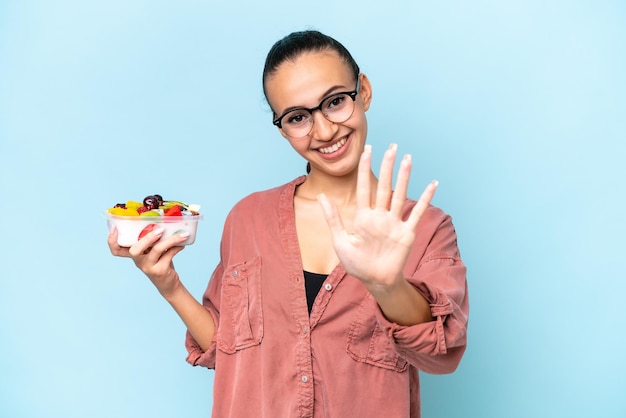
437	272
196	356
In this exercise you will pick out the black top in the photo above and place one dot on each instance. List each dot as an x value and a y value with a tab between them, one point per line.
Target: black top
312	284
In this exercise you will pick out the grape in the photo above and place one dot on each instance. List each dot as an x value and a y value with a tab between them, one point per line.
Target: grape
151	202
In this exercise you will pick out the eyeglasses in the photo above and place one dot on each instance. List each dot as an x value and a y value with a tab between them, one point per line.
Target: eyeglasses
337	108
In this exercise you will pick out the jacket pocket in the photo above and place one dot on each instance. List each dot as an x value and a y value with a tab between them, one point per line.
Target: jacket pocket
241	313
368	344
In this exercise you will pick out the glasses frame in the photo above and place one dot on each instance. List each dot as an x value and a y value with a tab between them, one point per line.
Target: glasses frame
352	94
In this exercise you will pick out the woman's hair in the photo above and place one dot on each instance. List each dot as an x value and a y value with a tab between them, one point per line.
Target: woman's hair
295	44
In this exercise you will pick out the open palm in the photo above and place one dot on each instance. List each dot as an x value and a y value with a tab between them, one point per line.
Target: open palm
375	250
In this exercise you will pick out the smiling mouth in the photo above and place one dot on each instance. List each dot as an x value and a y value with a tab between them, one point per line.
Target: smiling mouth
336	146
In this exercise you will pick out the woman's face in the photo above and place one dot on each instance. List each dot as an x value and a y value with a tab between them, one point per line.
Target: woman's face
334	148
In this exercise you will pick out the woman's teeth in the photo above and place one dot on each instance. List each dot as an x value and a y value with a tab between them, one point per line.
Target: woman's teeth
334	147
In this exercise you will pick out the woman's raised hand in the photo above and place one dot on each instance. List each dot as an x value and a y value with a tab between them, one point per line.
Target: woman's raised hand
376	248
153	257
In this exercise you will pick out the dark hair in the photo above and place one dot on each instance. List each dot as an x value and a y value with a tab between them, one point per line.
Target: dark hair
296	43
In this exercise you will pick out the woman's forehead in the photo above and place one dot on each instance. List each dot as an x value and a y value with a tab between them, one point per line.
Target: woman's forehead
307	79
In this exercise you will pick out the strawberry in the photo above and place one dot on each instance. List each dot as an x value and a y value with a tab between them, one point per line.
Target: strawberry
173	211
149	228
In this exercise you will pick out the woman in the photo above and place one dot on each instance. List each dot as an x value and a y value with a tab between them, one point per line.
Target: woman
333	290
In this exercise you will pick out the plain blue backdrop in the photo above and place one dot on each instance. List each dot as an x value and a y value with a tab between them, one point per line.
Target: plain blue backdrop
516	107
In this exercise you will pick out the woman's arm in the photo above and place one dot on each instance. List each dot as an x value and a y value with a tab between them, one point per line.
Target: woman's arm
155	259
376	249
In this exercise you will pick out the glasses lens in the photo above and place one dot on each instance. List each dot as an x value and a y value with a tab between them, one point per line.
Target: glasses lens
297	123
338	108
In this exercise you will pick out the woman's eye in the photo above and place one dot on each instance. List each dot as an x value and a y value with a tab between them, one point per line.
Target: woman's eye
297	118
336	101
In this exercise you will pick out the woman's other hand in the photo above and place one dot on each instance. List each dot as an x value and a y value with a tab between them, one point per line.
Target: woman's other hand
376	249
154	257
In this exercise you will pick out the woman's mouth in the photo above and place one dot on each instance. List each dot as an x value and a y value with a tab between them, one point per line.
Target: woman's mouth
335	147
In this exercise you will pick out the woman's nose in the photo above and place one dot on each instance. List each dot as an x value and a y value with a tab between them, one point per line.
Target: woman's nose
323	129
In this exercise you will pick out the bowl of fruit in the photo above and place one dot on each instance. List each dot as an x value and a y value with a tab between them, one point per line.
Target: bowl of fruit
133	219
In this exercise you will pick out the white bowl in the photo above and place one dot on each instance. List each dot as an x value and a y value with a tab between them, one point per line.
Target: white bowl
130	227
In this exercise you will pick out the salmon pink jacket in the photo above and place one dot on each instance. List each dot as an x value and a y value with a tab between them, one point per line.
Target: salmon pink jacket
272	359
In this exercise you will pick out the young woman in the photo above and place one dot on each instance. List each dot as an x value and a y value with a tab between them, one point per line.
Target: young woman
333	290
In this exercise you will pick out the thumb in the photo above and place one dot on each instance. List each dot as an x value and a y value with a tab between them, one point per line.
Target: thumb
333	219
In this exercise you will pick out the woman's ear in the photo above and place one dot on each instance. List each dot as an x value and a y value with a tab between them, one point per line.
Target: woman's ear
365	91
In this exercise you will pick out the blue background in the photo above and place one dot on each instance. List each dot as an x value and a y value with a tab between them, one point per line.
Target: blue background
516	107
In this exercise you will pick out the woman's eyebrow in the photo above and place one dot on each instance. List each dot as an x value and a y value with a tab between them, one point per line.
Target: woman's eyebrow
327	93
330	90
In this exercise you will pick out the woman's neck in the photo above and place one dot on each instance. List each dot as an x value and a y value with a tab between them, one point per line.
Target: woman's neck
341	190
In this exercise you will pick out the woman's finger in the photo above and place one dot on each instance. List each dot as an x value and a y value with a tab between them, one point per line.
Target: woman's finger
114	246
402	185
422	203
167	256
143	246
383	193
333	218
165	245
363	181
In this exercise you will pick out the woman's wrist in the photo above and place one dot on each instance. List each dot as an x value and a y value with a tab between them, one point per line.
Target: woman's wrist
174	293
402	303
